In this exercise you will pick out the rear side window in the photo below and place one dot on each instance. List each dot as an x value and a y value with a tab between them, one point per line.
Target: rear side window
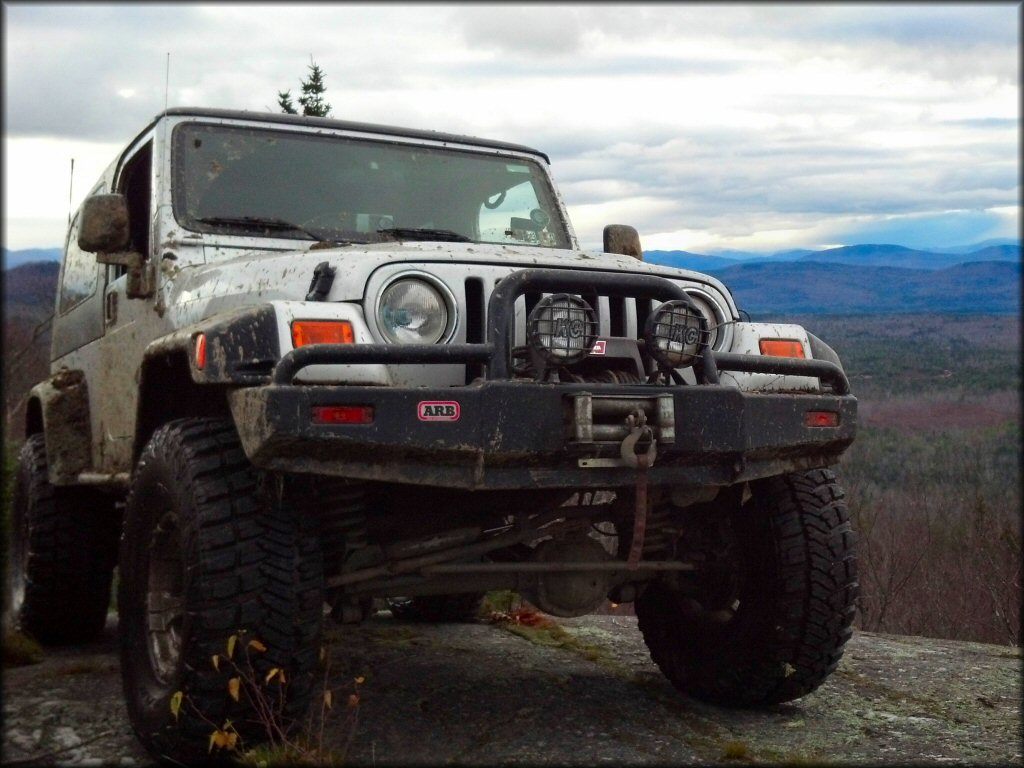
80	273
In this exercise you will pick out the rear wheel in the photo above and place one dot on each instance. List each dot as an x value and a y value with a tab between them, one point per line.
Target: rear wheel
207	554
60	559
778	631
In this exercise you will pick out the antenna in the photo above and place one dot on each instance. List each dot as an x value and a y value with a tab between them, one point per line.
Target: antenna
71	188
167	78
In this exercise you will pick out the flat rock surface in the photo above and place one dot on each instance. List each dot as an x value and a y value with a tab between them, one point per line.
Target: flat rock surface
480	694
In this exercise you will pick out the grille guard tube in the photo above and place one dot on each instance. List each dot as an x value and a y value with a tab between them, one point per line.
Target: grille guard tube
495	354
786	366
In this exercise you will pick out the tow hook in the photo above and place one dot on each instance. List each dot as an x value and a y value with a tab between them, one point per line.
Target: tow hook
638	449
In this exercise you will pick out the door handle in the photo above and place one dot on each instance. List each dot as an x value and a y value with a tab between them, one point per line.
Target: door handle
110	308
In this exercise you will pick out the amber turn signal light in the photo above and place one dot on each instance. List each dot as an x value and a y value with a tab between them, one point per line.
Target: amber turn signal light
781	348
305	332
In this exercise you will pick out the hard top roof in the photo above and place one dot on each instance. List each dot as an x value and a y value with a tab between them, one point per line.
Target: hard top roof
325	122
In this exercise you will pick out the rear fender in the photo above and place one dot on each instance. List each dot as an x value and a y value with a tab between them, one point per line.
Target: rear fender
59	406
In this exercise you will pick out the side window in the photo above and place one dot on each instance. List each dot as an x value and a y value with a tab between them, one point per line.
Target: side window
79	275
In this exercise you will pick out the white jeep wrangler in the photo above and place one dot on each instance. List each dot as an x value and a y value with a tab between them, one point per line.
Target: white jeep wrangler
300	362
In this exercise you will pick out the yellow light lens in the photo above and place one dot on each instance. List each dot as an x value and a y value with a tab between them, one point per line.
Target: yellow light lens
781	348
305	332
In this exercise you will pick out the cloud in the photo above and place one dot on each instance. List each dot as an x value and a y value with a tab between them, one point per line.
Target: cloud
736	121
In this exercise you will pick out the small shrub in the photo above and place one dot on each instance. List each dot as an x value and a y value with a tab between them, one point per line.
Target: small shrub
735	750
287	742
20	650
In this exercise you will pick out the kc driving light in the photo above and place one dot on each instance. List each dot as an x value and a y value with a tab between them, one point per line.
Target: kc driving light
562	328
412	311
675	333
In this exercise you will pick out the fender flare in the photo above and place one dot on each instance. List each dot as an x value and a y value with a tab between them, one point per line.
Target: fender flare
63	417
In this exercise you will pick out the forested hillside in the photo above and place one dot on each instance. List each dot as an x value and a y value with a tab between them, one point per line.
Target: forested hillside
28	296
934	479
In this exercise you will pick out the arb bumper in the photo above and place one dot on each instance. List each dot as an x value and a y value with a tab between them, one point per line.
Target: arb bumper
500	432
516	434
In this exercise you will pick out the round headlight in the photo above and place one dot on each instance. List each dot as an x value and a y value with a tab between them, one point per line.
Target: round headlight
412	311
675	333
562	328
712	312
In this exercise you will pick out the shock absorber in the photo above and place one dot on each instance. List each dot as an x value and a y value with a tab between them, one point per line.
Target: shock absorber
343	507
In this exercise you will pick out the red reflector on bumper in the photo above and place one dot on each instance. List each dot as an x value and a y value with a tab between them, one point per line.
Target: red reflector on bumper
201	351
821	419
342	414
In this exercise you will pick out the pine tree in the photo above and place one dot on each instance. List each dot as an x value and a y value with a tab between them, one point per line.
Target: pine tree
313	89
284	101
312	98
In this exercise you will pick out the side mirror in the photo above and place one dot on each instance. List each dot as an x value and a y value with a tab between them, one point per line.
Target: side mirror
104	225
619	238
104	230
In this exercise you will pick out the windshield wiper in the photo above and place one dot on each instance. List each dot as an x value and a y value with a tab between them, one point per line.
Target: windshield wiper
259	221
417	233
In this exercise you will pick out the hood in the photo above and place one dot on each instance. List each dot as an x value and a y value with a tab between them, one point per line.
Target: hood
233	278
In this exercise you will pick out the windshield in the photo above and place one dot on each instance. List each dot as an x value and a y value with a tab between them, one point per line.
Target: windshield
269	183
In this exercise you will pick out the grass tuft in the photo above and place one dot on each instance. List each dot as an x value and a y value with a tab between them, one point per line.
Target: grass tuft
20	650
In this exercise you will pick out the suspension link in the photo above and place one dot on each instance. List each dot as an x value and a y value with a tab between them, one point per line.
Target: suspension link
638	449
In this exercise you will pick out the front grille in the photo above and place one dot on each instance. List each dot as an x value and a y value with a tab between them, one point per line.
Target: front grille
471	286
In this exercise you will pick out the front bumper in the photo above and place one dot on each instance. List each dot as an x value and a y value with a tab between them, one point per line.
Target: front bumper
504	433
522	434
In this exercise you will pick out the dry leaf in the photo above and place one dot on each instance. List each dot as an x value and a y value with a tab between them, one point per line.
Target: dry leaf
328	699
176	703
231	646
233	686
216	740
353	700
222	740
216	661
360	680
256	644
272	674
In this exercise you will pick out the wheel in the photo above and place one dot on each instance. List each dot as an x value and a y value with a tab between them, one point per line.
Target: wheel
459	608
207	554
778	623
60	560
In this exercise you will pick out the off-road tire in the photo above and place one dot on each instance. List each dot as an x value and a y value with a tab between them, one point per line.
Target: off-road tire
437	609
200	527
797	585
60	559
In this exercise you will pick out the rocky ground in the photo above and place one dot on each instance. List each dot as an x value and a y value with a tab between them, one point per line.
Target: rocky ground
586	694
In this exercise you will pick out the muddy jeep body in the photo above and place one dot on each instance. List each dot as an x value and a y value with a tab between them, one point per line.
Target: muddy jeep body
385	348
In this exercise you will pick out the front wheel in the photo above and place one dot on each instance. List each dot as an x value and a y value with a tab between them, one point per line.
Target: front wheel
206	554
778	632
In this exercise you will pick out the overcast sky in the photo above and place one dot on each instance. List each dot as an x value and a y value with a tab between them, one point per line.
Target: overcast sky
707	127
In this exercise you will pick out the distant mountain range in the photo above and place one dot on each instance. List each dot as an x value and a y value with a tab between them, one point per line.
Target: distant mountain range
866	279
27	256
855	279
870	255
980	287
